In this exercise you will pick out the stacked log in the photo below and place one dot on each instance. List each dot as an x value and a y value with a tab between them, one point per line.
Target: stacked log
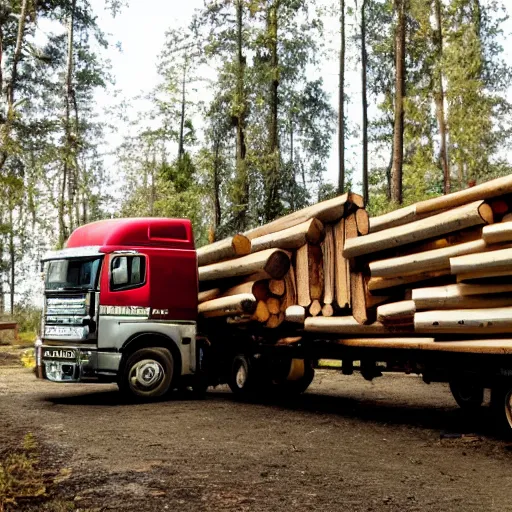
292	268
440	266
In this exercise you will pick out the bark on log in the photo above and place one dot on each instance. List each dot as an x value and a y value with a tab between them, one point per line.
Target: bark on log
315	308
302	276
463	302
228	306
273	261
493	261
358	297
350	228
208	295
277	287
493	188
311	231
380	283
486	277
290	297
329	257
275	321
476	213
238	245
495	233
316	272
393	219
397	312
428	261
341	267
295	314
258	288
327	211
467	321
362	222
342	325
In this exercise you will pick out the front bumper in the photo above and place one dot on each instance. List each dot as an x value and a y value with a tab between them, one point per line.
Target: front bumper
75	364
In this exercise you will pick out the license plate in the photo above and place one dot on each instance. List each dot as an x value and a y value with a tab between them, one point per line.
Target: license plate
63	331
63	354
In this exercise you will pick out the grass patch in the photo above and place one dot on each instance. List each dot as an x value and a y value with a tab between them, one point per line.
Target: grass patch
20	476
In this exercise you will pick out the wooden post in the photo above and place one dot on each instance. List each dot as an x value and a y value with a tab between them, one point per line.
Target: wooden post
341	267
302	276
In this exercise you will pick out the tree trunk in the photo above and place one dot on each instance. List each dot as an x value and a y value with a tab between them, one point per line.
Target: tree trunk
242	180
181	145
272	199
341	103
364	66
216	190
398	132
439	98
12	256
4	135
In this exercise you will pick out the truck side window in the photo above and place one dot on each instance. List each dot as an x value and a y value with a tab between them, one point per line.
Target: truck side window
127	272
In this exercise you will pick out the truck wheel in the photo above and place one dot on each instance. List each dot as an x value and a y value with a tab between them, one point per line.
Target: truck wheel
501	404
242	378
147	373
468	396
299	385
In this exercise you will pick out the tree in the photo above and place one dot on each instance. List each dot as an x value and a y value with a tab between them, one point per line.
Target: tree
341	103
364	92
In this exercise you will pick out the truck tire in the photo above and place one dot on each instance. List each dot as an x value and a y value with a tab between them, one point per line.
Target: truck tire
501	405
147	374
242	380
469	396
297	386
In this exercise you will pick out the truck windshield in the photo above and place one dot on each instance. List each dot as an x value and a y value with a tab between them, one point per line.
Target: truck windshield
72	274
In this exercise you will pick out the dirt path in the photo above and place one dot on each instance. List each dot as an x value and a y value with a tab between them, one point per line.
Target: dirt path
345	445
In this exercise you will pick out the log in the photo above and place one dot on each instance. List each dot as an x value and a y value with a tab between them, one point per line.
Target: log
358	297
495	233
291	340
499	206
239	320
327	211
238	245
277	287
295	314
399	343
273	261
507	217
315	308
261	314
393	219
341	267
428	261
373	301
473	214
463	301
302	276
342	325
275	321
350	228
380	283
310	231
329	258
435	297
258	288
208	295
316	272
290	297
465	321
489	277
273	305
356	200
228	306
397	312
362	222
499	260
493	188
327	310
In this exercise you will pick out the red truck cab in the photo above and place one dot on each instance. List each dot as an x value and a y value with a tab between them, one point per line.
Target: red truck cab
121	306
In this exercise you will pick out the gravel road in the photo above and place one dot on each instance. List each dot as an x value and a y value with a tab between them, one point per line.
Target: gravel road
395	444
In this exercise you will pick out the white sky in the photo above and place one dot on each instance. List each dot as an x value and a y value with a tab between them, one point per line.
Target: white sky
140	30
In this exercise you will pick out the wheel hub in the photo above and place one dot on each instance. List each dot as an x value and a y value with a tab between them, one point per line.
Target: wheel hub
146	374
241	376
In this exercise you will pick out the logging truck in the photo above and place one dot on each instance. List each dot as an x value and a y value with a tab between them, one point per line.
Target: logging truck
122	305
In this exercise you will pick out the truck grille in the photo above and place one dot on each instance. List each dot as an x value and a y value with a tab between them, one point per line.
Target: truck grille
64	318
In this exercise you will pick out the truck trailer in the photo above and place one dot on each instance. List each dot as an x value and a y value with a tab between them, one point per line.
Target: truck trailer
121	306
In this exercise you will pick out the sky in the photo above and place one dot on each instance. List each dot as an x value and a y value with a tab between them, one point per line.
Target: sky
140	31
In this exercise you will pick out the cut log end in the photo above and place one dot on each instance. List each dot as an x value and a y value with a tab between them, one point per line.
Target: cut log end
486	213
277	264
241	245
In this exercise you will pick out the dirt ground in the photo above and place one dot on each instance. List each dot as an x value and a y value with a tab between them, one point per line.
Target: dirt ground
392	445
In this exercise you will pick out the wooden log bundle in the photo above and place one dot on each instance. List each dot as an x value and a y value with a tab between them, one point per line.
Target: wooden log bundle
440	266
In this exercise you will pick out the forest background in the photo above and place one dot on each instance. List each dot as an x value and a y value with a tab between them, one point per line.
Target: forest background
234	112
